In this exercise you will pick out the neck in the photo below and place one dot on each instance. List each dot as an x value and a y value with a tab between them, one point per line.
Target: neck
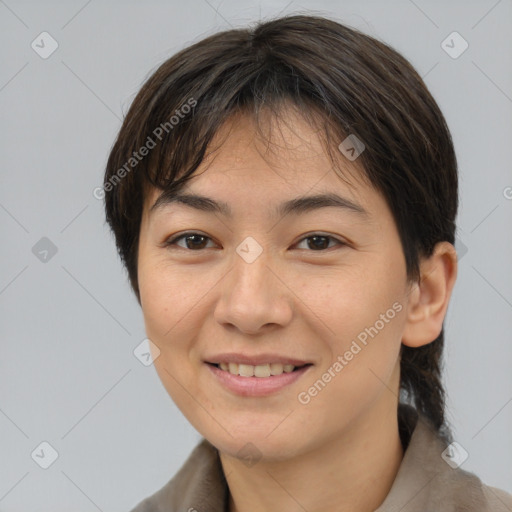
353	472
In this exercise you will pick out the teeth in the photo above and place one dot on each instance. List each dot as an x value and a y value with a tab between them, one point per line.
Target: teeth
244	370
261	370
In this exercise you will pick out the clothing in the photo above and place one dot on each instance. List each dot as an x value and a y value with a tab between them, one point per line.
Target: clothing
424	482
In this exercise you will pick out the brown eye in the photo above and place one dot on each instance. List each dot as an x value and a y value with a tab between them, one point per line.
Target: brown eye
193	241
320	242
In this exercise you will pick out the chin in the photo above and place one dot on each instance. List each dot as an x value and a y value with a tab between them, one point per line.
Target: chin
256	446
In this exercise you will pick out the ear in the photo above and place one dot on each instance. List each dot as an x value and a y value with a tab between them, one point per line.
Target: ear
428	299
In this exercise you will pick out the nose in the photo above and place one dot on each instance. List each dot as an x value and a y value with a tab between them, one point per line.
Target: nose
254	297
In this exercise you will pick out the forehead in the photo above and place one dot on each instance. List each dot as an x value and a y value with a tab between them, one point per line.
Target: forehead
274	161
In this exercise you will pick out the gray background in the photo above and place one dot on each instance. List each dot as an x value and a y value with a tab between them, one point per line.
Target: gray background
69	324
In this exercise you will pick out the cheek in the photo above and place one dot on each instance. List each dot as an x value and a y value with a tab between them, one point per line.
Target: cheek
168	300
161	307
354	300
174	301
365	313
166	294
375	324
157	298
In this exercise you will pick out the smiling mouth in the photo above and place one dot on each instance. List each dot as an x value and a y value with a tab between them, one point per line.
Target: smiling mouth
261	370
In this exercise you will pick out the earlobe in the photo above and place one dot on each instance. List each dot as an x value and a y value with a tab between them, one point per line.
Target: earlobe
428	299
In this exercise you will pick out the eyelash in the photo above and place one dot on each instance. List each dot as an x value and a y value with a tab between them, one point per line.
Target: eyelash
172	241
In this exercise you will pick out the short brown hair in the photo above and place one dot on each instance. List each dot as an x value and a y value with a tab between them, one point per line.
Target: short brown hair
357	84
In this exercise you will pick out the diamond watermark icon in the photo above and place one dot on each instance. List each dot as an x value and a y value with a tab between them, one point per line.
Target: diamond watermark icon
249	249
146	352
454	455
44	45
461	248
44	250
352	147
454	45
249	455
44	455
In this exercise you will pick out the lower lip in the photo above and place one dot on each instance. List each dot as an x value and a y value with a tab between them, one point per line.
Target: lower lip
256	386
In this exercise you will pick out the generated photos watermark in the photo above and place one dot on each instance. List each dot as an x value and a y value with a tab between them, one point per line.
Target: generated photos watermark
305	397
145	149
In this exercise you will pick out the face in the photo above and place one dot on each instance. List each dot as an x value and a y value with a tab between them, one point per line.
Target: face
320	286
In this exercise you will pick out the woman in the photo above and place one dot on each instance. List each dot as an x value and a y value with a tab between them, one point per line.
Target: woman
284	200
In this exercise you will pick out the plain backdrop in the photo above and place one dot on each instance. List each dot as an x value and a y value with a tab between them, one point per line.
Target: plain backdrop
69	322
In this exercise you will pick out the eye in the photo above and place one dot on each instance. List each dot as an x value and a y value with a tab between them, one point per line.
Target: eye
193	241
318	242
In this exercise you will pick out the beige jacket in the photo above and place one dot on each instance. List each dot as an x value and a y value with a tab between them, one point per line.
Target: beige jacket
425	482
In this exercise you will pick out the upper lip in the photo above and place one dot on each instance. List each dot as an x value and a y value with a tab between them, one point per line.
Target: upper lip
254	360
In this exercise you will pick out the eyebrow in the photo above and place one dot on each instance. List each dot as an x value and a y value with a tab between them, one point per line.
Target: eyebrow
298	205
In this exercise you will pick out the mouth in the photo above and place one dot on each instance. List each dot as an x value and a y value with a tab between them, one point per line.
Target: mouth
266	370
259	380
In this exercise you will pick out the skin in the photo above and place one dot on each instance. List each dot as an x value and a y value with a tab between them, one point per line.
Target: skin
341	451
